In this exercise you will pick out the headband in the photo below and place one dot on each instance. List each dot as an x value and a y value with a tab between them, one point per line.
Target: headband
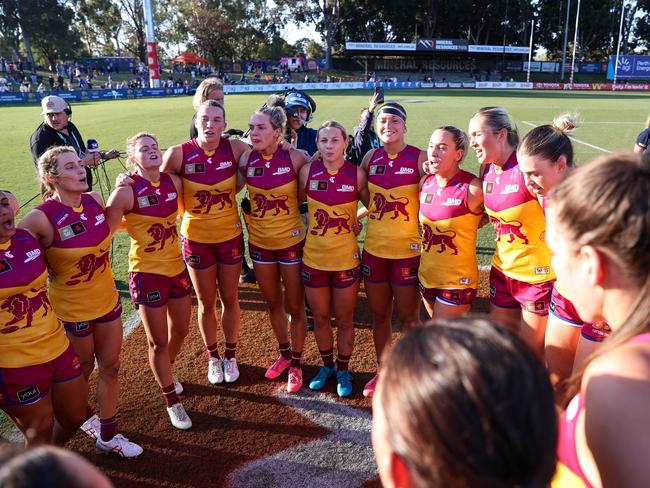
392	111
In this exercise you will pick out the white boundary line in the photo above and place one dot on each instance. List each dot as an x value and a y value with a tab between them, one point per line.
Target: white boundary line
602	149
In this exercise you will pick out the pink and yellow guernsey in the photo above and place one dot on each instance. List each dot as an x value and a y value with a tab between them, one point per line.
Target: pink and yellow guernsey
151	223
82	286
332	200
519	222
30	333
393	181
209	189
448	229
273	188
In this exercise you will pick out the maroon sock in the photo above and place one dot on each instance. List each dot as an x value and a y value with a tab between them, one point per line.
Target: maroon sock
213	351
295	359
328	357
89	411
285	349
342	362
231	350
108	428
170	396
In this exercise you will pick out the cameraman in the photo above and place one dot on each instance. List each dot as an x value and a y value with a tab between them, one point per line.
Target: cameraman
57	130
299	113
364	137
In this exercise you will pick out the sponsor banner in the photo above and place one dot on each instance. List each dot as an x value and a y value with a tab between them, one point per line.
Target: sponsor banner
441	45
475	48
591	67
591	86
629	67
379	46
501	85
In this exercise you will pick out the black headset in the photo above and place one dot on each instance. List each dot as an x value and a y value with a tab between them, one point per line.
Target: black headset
68	109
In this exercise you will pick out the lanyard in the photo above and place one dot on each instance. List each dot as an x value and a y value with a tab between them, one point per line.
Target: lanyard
66	141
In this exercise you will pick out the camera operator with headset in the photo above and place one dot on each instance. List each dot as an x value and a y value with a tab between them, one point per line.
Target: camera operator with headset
57	130
300	108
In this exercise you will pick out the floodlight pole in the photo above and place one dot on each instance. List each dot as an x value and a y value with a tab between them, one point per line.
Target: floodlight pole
618	45
566	35
575	41
152	54
530	51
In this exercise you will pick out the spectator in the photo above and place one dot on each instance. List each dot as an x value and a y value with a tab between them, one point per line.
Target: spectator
300	108
57	130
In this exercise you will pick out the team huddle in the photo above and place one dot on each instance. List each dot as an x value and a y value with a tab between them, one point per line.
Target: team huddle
61	312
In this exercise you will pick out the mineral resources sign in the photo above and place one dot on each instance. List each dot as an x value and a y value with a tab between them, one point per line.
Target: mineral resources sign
379	46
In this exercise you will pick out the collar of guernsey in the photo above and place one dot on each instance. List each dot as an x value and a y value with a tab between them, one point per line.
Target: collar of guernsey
273	189
449	231
151	223
31	333
331	244
393	181
519	224
82	286
209	189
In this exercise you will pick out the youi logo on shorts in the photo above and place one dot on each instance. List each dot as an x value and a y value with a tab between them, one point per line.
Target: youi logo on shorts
28	394
153	296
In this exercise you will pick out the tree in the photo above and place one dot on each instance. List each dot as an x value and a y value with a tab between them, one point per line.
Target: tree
133	15
101	24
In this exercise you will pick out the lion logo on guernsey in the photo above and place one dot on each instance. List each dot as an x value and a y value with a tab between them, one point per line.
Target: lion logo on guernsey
383	205
265	204
207	199
88	265
23	307
159	235
325	222
430	238
511	229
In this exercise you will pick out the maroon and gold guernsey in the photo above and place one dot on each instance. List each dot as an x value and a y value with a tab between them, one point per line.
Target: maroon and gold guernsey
81	281
151	223
209	189
448	229
30	333
519	223
393	182
273	187
332	198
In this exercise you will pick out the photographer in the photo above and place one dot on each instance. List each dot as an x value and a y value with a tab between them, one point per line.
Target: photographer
57	130
299	108
364	137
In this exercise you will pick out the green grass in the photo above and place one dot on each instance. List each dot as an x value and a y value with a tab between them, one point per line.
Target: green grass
611	121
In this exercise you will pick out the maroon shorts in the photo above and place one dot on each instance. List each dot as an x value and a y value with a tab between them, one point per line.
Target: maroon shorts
199	255
510	293
154	290
595	332
288	255
454	297
83	329
398	272
317	278
23	386
562	308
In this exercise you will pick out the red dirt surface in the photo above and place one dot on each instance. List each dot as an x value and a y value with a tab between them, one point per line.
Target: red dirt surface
233	424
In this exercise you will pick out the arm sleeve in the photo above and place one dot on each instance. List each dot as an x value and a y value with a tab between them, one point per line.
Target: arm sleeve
39	142
362	133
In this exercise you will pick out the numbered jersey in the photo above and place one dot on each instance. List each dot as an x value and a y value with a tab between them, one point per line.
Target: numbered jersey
448	229
29	330
82	286
332	200
273	188
393	181
519	223
151	223
209	189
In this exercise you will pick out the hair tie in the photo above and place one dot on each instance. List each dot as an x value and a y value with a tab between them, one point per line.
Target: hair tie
392	111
